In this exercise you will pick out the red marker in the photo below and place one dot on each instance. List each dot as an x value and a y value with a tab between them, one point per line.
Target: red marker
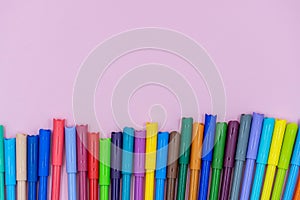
93	164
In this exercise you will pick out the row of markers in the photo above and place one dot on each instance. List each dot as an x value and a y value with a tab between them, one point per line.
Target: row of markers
234	160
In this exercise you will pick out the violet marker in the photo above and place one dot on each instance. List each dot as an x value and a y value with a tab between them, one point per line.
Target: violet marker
115	164
139	164
256	127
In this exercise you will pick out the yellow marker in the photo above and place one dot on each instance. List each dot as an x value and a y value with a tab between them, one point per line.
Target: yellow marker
273	159
150	162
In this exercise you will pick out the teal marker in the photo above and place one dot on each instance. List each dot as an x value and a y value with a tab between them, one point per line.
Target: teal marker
1	162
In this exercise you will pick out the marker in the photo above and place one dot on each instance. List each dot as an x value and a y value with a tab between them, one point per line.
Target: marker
231	140
150	162
127	161
104	176
70	140
255	132
217	162
195	161
240	155
2	194
116	164
21	165
32	165
297	191
294	171
161	164
273	158
207	152
93	164
10	168
82	164
57	154
262	157
285	157
44	160
139	164
184	153
173	154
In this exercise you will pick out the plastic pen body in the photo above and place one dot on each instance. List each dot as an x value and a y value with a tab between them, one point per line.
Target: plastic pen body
116	164
207	151
32	166
2	167
104	167
10	168
21	165
93	164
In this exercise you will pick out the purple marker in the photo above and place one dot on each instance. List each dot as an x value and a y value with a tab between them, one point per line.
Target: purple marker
139	164
253	143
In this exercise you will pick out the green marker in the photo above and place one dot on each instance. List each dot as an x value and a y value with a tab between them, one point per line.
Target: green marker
1	162
104	169
285	157
217	162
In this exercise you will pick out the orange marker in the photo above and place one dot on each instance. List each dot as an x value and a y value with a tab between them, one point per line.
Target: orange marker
297	190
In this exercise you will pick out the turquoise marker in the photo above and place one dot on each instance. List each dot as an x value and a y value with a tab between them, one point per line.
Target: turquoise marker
2	163
10	168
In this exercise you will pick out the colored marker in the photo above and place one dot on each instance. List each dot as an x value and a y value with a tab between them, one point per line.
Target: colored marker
57	156
294	171
207	153
161	164
127	161
93	164
82	164
195	161
297	191
255	132
231	141
104	175
10	168
173	154
139	164
217	162
44	160
150	162
273	158
184	153
240	155
32	165
262	157
116	164
284	160
70	140
2	194
21	165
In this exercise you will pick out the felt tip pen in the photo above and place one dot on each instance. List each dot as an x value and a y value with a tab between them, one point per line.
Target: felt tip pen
284	159
93	164
82	164
2	167
273	158
10	168
21	165
71	165
116	164
173	154
32	165
297	191
207	153
252	149
57	156
293	171
240	155
262	157
139	164
127	161
104	167
44	160
161	164
217	162
195	161
184	155
231	141
150	162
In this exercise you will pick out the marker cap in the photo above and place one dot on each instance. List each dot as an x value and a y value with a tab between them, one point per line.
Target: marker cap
81	143
104	178
93	155
173	153
244	132
296	152
116	155
162	155
58	141
219	148
151	144
139	150
32	157
196	148
127	153
10	161
1	148
231	139
209	137
44	152
21	149
70	137
185	140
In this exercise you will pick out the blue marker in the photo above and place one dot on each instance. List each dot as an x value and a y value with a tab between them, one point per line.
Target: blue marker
161	164
10	168
32	165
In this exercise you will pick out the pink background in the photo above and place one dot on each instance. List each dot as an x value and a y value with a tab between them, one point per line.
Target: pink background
42	45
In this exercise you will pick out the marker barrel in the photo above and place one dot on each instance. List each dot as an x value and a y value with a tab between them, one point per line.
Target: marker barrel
21	165
2	166
247	181
215	181
10	168
32	190
93	164
291	182
116	164
32	165
104	165
258	181
268	183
